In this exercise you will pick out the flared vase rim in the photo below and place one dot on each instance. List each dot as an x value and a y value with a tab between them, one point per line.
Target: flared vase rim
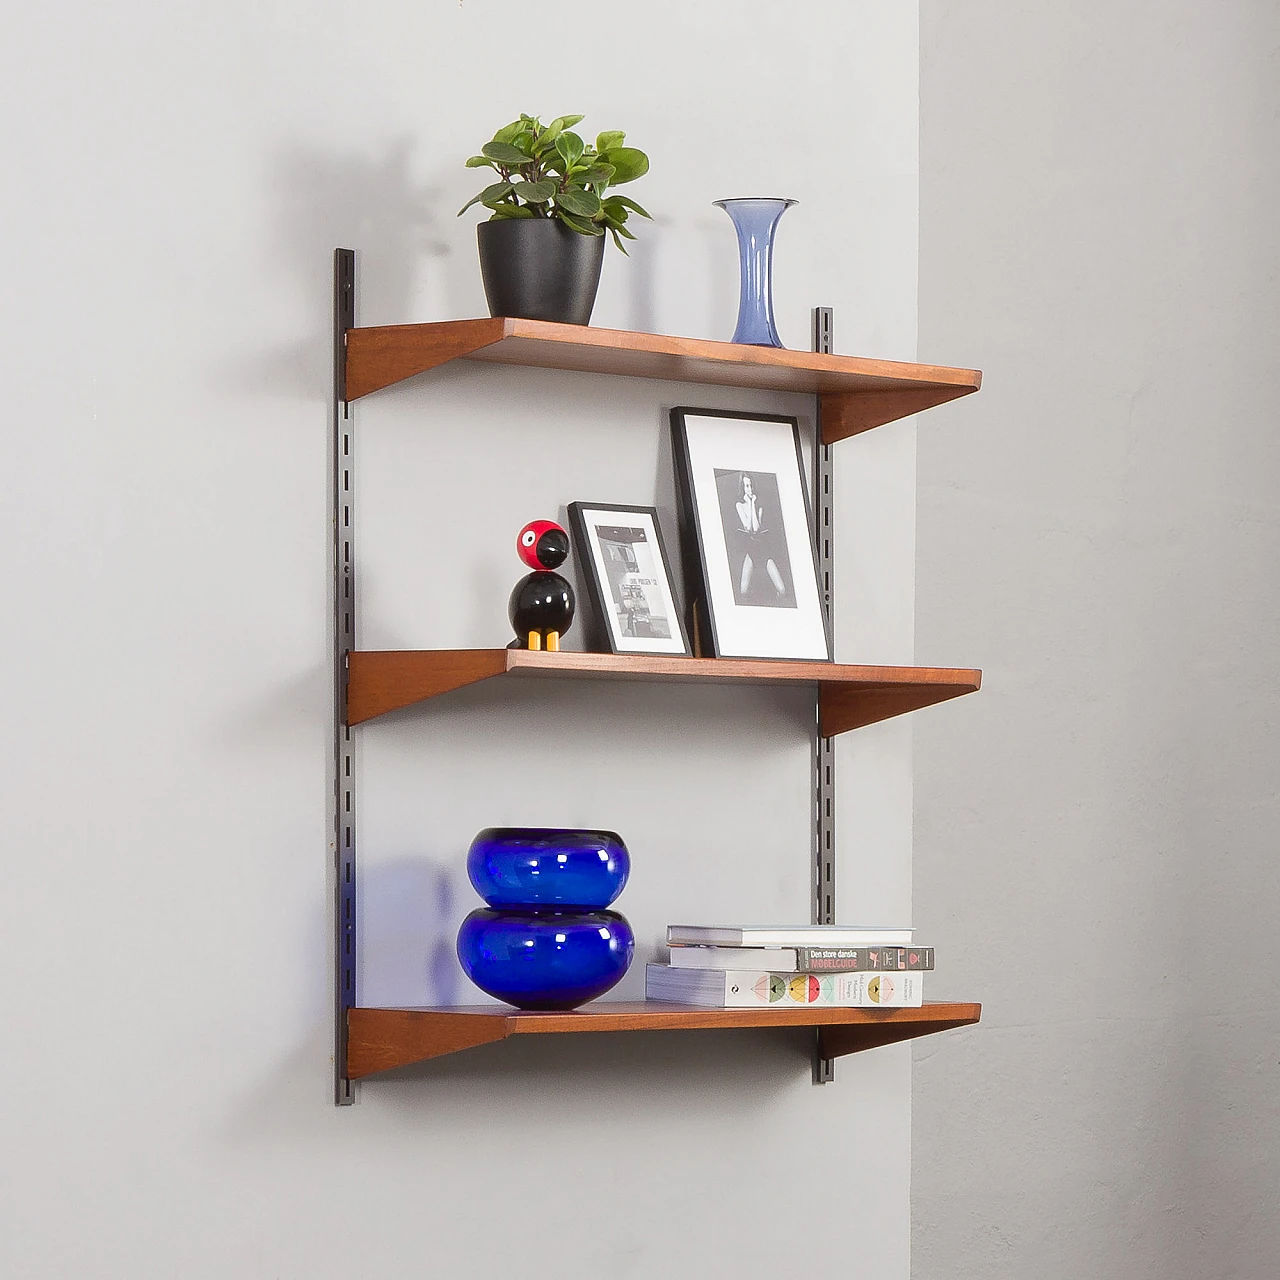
785	201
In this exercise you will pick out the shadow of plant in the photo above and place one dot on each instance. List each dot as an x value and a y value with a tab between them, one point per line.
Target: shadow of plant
321	201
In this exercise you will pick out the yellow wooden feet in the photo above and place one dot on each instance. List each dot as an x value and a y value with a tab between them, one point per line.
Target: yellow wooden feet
535	640
553	642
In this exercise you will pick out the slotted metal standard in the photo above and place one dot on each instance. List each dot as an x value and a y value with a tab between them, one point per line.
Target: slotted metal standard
343	843
824	749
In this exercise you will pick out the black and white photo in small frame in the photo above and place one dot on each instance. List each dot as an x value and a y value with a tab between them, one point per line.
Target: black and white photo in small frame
748	535
627	575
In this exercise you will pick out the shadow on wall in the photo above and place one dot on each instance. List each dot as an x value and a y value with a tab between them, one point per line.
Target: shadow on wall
719	1078
409	904
372	204
416	264
375	204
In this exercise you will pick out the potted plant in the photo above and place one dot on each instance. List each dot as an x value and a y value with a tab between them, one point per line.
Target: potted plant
541	249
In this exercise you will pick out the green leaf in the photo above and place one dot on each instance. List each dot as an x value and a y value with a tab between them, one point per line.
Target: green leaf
504	153
615	217
596	173
535	192
570	147
504	211
477	162
583	226
585	203
488	196
554	130
628	163
508	131
627	203
607	141
613	232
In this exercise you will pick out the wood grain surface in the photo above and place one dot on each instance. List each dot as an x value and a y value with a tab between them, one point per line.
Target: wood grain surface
380	1039
856	393
850	696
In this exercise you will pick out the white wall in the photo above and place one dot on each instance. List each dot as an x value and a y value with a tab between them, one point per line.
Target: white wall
176	179
1099	529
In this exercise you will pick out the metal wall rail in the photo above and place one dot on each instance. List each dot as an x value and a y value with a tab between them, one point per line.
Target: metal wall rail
824	749
342	842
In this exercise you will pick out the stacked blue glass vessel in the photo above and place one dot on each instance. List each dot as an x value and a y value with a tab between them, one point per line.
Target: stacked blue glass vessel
545	941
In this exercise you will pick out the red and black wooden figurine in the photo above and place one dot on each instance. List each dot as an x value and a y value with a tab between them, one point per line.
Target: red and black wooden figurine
541	605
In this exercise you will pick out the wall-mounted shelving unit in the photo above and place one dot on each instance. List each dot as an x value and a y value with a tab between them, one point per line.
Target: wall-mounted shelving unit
853	395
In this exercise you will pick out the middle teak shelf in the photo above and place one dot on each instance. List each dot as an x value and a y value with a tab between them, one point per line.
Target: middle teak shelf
848	697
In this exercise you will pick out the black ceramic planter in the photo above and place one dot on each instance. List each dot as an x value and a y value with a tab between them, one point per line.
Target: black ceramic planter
537	269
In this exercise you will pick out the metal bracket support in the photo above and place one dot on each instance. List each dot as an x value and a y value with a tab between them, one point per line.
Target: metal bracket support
342	843
824	750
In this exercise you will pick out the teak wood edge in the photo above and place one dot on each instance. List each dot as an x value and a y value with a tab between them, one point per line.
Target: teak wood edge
380	1039
849	696
856	393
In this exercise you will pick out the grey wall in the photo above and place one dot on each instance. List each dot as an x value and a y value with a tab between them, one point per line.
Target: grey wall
1099	529
176	179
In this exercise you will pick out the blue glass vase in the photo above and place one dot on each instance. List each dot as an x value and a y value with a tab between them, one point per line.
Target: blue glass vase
544	941
545	959
548	867
756	222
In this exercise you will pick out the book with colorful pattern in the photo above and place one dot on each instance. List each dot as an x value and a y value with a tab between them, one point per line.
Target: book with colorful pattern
756	988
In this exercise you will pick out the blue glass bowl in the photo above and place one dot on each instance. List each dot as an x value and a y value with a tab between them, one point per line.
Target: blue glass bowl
548	867
545	959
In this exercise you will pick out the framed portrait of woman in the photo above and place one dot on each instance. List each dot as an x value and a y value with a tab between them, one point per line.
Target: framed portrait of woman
747	535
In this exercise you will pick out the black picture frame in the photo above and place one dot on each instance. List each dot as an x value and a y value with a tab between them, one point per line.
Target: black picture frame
628	578
747	534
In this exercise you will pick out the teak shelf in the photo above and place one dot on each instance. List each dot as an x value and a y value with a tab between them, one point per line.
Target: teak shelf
380	1039
848	697
855	394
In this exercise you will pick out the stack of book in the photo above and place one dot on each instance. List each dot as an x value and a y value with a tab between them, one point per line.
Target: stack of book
722	967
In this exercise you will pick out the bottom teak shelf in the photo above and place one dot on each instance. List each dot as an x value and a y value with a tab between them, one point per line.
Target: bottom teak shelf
380	1039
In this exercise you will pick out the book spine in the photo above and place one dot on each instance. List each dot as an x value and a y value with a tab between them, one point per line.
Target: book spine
825	937
752	989
770	958
863	959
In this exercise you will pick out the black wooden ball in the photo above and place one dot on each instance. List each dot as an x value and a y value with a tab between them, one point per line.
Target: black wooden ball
541	602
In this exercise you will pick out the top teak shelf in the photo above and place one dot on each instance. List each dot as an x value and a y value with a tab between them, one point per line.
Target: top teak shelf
855	394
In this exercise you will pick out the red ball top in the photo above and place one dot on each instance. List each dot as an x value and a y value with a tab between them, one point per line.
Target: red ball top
542	544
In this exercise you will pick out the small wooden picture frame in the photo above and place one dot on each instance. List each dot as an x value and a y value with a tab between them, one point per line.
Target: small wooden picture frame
624	567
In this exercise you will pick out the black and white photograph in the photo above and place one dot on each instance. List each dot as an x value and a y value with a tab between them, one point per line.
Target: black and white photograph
627	577
754	539
744	510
